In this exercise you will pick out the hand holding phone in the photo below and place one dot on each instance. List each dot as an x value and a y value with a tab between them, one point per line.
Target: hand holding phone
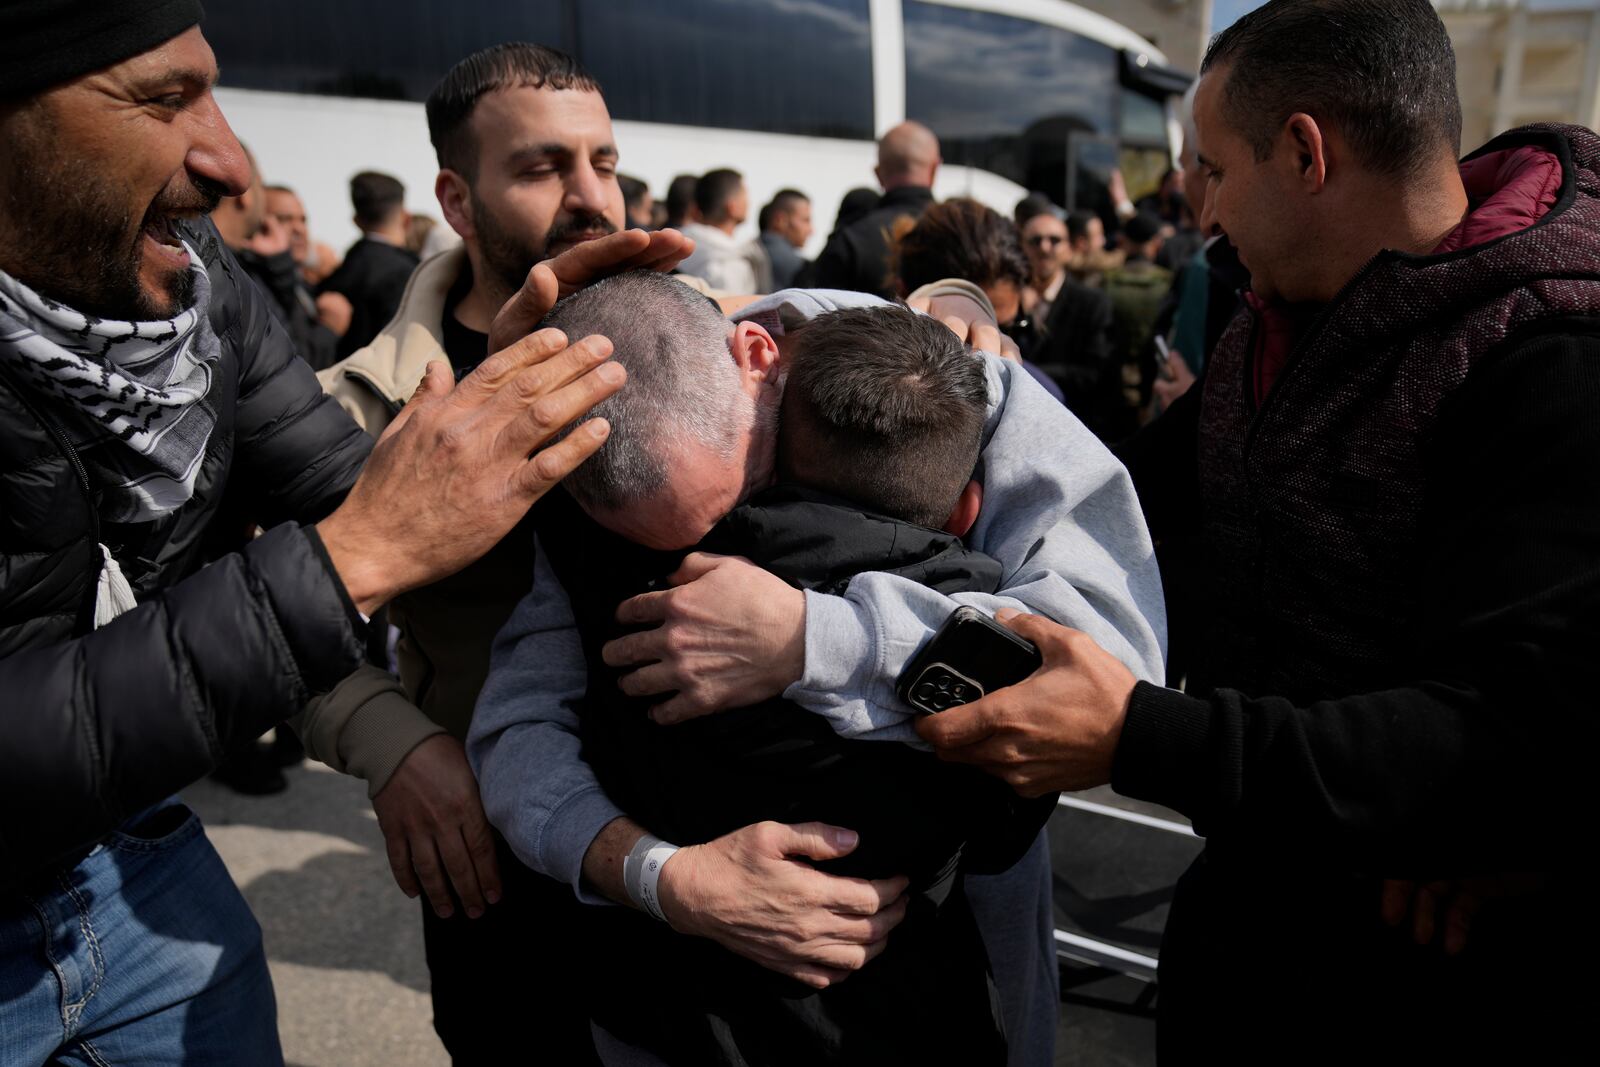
969	657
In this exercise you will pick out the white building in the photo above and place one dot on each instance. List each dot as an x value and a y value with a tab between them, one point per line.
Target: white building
1520	62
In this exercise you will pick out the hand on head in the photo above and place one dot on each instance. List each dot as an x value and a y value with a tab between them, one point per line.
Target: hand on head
577	267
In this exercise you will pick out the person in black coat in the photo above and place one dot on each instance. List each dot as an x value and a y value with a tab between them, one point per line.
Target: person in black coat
374	273
856	256
154	415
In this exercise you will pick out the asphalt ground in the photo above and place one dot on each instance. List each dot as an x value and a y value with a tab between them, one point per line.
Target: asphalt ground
345	945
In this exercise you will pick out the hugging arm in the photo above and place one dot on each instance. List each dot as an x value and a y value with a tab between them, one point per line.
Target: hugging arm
1060	515
744	890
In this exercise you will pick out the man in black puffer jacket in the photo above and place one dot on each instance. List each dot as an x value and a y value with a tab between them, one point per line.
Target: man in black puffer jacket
152	413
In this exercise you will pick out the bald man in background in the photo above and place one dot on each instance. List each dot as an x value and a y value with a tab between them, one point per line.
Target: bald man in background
857	256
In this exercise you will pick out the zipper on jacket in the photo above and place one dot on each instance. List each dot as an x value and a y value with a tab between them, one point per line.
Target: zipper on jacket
394	406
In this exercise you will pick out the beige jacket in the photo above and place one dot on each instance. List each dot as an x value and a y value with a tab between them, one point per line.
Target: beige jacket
370	722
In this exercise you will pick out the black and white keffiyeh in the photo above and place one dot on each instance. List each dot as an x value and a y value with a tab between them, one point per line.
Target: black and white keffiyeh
133	396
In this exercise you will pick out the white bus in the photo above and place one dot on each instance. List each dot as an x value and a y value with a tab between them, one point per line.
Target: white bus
1024	94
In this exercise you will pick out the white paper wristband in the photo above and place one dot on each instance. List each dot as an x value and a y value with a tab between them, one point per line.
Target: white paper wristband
641	873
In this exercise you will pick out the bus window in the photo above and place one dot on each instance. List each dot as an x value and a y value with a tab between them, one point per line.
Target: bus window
1007	94
778	66
390	49
1145	155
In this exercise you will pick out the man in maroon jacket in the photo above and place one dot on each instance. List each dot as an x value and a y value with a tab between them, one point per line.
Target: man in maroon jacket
1386	488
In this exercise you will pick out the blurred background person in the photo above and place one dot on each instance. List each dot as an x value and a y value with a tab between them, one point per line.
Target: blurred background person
1089	258
785	228
264	248
857	256
375	270
1029	206
1044	242
315	259
1136	290
1166	203
853	205
638	203
426	238
1180	240
963	239
725	263
681	208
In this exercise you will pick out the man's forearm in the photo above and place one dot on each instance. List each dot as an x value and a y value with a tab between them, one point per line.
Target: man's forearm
602	862
524	742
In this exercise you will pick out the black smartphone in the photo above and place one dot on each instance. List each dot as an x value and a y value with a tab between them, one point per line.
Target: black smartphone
970	657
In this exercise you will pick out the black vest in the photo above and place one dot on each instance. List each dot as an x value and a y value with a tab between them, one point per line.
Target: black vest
696	781
1312	502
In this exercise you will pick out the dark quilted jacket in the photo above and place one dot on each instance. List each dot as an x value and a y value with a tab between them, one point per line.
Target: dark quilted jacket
97	725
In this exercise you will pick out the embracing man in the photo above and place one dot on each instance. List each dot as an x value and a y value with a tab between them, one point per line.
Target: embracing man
498	117
1064	531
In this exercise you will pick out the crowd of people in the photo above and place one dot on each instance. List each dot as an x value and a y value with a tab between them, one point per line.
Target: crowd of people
595	541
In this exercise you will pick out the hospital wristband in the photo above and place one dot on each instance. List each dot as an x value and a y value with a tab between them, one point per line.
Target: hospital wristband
641	873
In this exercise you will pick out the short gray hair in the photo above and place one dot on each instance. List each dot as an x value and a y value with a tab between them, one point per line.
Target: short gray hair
682	382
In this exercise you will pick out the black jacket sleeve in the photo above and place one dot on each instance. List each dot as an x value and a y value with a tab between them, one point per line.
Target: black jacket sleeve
835	267
1480	763
103	726
297	452
100	727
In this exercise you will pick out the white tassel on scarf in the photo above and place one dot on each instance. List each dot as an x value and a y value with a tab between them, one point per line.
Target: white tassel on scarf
114	595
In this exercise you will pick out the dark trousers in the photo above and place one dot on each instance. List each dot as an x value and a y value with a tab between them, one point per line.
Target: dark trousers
1263	965
507	987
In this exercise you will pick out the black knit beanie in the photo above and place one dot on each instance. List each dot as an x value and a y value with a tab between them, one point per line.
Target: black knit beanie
47	42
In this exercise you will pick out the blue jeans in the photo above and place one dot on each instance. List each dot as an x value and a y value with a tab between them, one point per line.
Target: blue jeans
145	952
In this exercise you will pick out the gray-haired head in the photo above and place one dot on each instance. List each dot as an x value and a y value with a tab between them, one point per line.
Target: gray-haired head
683	386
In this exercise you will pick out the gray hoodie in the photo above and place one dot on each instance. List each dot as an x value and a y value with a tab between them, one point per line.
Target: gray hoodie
1059	513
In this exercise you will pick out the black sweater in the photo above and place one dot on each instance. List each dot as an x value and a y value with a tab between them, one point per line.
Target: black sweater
916	814
1474	765
1478	763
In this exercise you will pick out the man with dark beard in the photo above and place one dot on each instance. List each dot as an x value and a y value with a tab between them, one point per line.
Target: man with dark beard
527	170
151	411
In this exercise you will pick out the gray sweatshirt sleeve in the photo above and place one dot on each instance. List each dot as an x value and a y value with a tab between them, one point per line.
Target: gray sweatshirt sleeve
1059	513
524	743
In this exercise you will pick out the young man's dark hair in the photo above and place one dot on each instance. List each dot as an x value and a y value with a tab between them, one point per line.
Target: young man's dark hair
1032	206
782	200
712	191
960	238
883	407
376	197
633	191
506	66
1078	224
680	199
1380	71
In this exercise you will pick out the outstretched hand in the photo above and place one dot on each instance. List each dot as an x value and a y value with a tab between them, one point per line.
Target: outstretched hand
1058	729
